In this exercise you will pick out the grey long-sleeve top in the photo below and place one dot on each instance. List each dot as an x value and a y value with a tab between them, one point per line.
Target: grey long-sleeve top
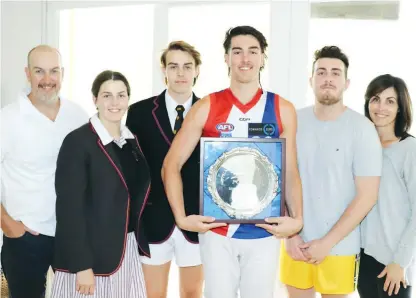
389	230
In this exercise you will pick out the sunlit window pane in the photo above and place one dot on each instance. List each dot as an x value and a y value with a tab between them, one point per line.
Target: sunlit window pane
375	46
95	39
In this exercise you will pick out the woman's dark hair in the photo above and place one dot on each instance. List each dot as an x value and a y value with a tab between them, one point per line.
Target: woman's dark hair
403	120
104	77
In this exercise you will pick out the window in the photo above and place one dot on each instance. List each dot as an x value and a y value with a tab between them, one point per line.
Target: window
92	40
373	36
129	37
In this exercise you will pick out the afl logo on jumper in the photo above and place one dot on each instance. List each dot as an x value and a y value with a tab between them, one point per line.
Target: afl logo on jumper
225	129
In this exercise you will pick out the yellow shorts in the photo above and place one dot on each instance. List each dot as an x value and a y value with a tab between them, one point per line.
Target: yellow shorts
335	275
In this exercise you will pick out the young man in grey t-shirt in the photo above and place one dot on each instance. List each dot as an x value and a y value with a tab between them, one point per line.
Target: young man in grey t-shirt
339	159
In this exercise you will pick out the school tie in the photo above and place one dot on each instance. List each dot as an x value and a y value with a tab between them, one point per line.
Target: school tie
179	119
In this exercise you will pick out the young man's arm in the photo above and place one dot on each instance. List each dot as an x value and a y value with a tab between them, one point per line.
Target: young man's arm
182	147
365	198
292	224
367	163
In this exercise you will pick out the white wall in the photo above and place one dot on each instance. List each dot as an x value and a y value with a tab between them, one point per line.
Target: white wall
21	30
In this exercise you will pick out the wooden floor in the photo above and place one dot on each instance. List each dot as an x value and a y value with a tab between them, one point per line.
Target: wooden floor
173	291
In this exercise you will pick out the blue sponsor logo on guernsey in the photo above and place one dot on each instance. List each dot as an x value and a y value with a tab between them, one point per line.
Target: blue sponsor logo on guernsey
269	129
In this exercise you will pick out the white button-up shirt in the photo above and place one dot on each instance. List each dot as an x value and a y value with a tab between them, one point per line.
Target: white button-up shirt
105	136
30	144
171	105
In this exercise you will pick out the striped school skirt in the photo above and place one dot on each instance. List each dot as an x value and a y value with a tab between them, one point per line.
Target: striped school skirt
126	282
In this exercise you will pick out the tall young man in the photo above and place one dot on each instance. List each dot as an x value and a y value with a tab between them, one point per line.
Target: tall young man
156	122
237	257
339	157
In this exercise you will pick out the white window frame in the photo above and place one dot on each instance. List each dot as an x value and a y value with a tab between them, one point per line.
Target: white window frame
288	42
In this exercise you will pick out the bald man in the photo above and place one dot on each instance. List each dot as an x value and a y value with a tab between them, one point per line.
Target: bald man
32	130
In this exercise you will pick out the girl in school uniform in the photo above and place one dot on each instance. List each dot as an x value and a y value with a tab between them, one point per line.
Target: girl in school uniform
102	183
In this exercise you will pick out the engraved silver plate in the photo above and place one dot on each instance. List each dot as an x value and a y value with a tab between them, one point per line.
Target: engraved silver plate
242	182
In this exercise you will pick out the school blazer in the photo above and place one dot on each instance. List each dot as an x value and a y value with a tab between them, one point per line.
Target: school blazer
93	205
149	120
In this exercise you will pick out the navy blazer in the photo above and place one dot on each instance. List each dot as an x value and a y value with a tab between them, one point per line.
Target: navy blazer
93	204
149	120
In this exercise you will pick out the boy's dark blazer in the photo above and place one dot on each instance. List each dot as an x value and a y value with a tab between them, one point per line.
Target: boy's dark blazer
149	120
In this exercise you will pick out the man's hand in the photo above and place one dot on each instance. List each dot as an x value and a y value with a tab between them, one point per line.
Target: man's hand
85	282
198	223
394	276
16	229
316	250
293	250
282	227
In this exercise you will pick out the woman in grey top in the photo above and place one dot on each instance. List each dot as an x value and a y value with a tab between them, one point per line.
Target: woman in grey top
389	230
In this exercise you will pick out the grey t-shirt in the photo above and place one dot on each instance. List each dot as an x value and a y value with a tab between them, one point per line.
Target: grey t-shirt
330	155
389	230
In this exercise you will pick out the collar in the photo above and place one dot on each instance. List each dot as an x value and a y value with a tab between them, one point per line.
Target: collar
247	106
171	103
105	137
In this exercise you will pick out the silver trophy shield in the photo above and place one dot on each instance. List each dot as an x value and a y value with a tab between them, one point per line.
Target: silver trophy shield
242	182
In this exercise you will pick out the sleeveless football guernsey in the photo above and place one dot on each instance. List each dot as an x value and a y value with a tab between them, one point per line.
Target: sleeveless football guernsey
228	117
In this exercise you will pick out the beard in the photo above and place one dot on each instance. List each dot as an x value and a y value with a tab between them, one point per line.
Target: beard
329	99
47	97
